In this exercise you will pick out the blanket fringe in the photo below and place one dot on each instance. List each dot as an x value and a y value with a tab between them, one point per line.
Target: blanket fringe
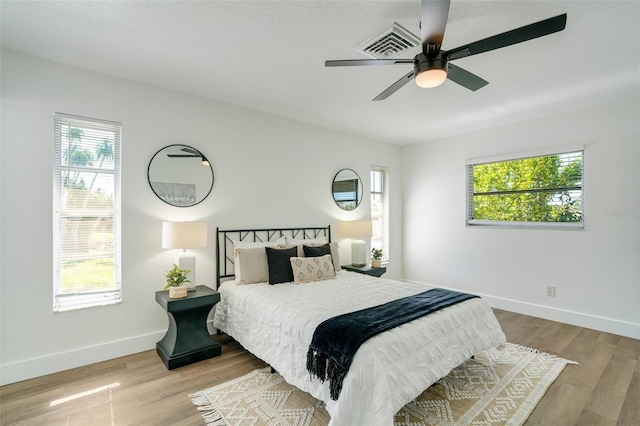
202	403
317	364
322	367
336	374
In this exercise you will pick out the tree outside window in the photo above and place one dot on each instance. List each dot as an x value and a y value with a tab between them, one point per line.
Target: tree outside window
86	223
380	210
534	190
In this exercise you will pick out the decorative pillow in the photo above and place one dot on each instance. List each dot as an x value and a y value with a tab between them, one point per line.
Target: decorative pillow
252	265
307	269
335	253
316	251
279	265
298	247
247	245
300	244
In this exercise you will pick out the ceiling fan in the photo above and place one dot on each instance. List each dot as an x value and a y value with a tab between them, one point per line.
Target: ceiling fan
190	153
432	66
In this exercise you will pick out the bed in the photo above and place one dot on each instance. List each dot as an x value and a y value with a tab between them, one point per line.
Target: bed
277	322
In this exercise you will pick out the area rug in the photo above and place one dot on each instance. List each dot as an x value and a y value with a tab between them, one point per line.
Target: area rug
497	387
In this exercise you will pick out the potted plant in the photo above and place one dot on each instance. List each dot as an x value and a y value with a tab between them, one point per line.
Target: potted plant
376	257
176	278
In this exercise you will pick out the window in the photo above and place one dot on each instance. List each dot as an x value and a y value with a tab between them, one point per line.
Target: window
86	206
380	210
535	190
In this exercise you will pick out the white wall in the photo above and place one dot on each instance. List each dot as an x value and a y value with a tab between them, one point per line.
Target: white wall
596	270
268	172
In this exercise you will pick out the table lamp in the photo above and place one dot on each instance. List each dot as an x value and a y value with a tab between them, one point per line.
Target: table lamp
185	235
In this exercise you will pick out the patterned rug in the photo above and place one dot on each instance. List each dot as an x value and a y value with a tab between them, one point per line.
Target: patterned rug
497	387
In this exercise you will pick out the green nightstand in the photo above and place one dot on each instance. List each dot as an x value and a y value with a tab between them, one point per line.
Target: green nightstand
187	339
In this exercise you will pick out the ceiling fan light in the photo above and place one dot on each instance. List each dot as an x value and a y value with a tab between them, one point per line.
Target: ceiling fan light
429	78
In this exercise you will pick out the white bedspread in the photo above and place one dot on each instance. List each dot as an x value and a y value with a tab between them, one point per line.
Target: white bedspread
276	323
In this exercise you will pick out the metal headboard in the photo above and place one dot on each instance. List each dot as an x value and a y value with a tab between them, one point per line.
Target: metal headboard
225	239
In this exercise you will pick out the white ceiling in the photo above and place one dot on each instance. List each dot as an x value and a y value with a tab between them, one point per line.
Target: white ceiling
269	56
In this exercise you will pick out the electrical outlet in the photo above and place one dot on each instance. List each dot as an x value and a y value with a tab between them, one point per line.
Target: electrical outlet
551	290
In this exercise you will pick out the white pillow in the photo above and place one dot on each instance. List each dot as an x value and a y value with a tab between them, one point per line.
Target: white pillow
307	269
248	245
312	241
251	244
296	242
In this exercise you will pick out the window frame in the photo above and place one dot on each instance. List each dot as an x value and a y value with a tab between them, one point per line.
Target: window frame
68	301
384	194
469	164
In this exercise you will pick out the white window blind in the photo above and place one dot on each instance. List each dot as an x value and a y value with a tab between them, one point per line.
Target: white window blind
541	190
380	210
86	207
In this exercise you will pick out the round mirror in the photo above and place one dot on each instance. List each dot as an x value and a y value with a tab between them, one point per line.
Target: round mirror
180	175
347	189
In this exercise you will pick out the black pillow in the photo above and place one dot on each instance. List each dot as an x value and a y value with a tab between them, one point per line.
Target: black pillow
317	251
279	264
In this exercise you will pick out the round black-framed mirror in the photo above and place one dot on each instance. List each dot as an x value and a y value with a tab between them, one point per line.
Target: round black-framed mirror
346	189
180	175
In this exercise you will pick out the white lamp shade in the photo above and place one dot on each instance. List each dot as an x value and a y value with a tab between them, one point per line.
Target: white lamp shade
184	235
357	229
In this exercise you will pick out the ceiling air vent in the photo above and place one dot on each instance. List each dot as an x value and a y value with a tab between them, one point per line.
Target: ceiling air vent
390	44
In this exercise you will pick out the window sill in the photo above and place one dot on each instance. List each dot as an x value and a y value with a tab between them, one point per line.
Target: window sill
525	225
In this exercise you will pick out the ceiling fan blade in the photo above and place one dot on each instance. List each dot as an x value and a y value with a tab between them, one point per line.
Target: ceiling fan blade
357	62
465	78
394	87
183	155
433	21
519	35
190	150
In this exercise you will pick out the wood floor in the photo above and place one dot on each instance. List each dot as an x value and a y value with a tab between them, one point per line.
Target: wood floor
138	390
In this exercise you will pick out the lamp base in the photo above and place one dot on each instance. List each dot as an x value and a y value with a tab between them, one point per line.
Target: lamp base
187	261
358	253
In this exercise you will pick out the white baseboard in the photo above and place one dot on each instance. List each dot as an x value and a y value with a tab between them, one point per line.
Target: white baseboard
608	325
35	367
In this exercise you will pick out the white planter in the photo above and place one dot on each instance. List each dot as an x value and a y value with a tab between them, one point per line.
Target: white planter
177	292
376	263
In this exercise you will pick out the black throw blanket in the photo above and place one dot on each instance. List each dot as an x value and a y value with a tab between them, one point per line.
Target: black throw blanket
337	339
